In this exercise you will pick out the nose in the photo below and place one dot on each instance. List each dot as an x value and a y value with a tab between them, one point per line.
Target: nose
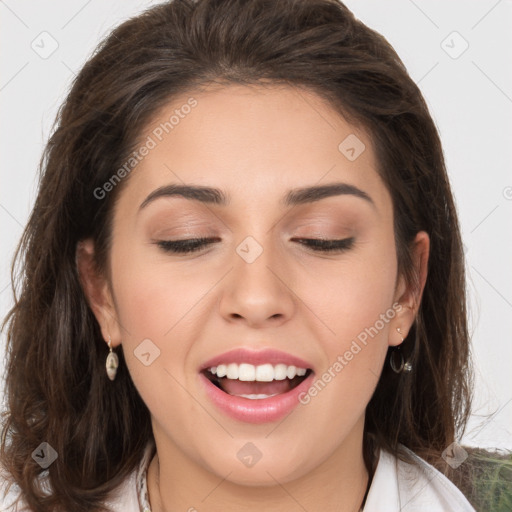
256	291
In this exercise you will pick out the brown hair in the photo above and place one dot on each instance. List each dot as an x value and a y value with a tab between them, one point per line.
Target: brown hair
56	383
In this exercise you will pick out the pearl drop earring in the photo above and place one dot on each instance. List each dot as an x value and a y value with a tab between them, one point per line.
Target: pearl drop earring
112	363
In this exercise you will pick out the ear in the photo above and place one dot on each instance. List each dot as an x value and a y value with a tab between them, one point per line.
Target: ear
97	291
408	295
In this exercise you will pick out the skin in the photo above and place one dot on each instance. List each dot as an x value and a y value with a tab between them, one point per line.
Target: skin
255	144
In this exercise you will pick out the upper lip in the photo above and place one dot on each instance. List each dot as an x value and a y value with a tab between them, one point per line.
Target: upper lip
256	357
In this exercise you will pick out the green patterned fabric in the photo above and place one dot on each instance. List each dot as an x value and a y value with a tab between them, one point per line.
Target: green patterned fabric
486	480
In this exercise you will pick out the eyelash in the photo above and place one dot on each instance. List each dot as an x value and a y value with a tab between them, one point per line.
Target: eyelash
195	244
184	246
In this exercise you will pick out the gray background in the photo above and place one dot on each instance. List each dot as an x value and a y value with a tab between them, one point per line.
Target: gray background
469	92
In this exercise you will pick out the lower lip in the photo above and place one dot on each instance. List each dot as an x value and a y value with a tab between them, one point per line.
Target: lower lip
264	410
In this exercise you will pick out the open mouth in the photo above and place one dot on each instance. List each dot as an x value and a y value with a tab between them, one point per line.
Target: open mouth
255	389
262	392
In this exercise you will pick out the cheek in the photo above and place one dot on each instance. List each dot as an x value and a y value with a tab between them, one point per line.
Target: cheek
355	301
153	302
162	301
351	293
151	295
156	307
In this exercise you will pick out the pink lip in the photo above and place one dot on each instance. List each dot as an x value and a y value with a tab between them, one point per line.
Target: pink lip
256	411
243	355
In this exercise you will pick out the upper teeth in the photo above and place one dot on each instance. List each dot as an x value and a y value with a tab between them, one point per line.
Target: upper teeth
263	373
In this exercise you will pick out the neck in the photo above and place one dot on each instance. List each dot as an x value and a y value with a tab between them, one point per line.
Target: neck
338	484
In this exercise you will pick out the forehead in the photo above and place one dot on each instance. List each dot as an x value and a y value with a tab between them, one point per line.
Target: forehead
254	142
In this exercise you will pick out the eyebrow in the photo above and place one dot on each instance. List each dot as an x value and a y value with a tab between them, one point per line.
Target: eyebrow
200	193
318	192
210	195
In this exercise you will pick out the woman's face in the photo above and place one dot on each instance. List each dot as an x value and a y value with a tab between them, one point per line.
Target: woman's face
260	282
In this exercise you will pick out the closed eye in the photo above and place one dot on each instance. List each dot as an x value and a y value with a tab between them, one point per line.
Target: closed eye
185	246
324	245
196	244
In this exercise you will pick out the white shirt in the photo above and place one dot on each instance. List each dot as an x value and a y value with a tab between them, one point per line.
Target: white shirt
399	486
396	487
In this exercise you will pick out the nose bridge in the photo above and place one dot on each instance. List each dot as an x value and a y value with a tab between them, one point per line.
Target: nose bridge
254	292
254	261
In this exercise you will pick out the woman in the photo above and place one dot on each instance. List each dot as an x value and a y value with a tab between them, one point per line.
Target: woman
244	285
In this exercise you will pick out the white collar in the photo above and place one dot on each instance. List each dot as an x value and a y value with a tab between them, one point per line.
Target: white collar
398	486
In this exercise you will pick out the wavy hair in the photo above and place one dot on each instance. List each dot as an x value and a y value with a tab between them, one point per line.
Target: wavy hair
57	390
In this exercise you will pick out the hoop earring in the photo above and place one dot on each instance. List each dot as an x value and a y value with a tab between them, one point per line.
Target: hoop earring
396	358
112	363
